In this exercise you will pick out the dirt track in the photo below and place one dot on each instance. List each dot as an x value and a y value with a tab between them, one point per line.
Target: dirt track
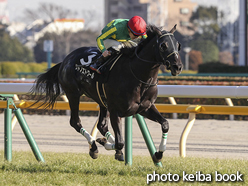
208	138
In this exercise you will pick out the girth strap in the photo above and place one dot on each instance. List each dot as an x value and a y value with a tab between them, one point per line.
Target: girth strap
101	93
100	86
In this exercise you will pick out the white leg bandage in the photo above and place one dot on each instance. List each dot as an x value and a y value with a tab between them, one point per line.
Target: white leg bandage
110	145
162	145
89	138
110	137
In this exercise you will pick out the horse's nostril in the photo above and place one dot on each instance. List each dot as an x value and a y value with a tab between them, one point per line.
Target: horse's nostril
177	67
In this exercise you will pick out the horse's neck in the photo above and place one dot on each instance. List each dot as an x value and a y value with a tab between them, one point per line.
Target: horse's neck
146	70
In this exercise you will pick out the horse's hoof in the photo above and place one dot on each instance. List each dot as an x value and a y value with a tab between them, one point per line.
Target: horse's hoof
102	141
94	154
93	151
119	156
157	157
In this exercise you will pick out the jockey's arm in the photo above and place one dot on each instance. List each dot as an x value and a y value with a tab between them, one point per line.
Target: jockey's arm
105	35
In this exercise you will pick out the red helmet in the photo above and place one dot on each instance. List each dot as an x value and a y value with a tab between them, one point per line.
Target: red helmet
137	25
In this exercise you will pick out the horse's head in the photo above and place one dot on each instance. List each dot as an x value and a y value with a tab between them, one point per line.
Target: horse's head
168	48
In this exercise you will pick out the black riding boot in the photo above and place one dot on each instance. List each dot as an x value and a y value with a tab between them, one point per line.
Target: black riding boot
99	61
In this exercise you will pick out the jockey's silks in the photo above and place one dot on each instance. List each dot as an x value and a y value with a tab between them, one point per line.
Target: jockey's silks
117	30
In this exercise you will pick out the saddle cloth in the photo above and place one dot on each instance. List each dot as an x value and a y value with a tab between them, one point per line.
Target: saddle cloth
90	75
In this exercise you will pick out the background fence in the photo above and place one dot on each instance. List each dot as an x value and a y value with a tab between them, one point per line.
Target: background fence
170	91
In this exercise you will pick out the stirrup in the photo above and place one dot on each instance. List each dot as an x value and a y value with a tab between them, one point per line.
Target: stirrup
98	71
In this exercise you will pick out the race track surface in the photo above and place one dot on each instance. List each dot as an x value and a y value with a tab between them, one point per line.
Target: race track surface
208	138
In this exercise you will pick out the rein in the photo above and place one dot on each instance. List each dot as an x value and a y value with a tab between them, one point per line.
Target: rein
148	61
143	82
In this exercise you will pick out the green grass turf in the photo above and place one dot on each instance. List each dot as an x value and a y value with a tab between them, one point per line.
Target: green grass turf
80	169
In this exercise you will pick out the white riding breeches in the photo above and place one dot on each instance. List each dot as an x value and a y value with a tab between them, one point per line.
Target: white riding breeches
116	44
112	43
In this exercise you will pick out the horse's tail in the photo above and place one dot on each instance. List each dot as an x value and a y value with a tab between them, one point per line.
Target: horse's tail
47	87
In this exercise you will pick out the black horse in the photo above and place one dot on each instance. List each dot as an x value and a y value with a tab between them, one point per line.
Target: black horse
131	86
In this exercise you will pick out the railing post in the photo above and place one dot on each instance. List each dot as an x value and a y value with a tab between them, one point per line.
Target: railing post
173	102
193	110
147	136
28	134
230	103
185	133
128	141
8	130
7	134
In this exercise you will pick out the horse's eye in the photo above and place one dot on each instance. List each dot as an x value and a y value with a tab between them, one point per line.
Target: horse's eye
163	46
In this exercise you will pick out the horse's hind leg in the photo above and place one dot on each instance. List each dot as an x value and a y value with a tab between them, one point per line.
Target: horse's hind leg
76	123
102	126
153	114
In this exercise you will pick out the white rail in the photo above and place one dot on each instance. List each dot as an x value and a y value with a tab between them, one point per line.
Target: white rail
179	91
15	88
200	91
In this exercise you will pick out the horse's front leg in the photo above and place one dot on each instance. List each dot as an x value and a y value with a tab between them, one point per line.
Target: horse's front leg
102	126
76	123
153	114
117	127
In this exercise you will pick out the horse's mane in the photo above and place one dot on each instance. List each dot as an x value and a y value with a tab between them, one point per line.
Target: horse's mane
151	31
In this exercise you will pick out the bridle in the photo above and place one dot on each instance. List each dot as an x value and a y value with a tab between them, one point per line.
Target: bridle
167	63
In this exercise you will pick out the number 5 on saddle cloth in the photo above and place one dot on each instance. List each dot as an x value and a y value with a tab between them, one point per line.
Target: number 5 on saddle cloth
104	63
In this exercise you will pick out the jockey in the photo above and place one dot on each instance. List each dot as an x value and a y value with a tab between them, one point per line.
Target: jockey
116	32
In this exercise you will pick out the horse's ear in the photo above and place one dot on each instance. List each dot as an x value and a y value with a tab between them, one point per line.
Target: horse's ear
173	29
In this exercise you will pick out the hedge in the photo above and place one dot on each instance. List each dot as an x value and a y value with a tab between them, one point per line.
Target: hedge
9	68
217	67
